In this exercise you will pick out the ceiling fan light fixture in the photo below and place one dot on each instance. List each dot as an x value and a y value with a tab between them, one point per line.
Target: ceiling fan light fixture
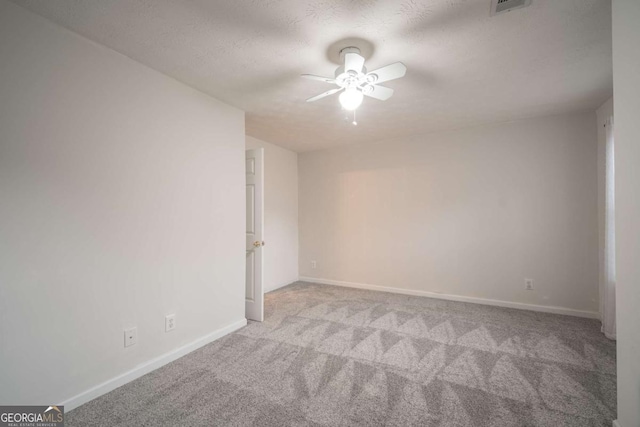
351	98
356	82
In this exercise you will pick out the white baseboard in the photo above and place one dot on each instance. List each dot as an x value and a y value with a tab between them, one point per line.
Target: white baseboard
281	285
149	366
475	300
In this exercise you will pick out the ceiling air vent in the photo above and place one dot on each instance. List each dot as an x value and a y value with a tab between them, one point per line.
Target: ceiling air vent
501	6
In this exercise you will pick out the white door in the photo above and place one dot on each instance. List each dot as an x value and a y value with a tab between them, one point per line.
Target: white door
254	309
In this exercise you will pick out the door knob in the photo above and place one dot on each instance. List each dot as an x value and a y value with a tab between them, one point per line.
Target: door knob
257	244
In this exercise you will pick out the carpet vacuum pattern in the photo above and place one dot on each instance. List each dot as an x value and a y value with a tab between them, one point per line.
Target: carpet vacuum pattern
333	356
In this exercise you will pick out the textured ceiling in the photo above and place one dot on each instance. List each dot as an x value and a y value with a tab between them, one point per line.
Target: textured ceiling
465	68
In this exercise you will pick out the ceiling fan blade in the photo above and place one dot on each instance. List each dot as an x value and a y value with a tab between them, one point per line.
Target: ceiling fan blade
319	78
353	61
322	95
389	72
379	92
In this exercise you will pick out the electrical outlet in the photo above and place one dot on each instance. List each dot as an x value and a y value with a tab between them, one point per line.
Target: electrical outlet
130	337
313	264
170	322
528	284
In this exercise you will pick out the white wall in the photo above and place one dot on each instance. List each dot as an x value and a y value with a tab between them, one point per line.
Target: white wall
626	96
122	201
471	213
602	114
280	214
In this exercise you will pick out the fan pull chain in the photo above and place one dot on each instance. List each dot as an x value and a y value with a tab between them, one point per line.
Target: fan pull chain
354	122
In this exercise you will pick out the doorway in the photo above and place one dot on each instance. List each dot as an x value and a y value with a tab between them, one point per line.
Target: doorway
254	291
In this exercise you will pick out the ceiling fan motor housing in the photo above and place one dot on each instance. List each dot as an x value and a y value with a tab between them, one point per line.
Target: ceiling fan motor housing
349	78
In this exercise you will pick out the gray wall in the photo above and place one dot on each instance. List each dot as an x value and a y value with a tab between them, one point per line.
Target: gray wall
626	99
122	201
468	213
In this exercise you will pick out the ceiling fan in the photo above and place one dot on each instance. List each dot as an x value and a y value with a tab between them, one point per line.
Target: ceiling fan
356	82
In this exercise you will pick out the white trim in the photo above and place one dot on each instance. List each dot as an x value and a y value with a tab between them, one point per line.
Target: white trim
281	285
149	366
616	423
475	300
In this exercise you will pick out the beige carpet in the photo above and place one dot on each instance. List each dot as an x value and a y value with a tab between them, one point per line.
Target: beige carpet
328	355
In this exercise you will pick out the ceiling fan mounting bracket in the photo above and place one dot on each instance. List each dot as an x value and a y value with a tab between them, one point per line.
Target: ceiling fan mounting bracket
333	54
349	49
